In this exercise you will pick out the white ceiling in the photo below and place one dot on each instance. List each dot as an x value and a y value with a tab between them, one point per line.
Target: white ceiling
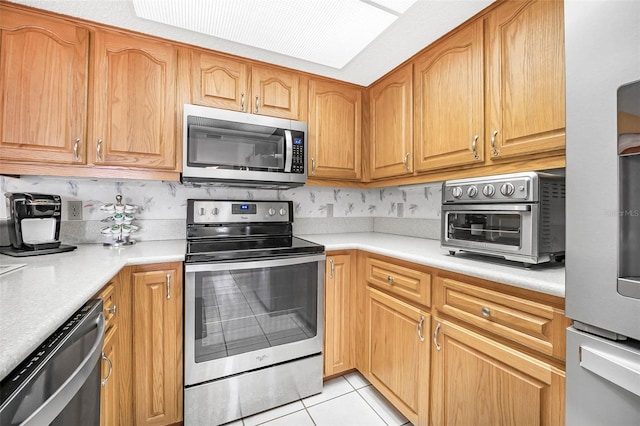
421	24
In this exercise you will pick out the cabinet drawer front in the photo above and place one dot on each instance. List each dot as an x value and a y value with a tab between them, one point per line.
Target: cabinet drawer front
109	305
405	282
523	321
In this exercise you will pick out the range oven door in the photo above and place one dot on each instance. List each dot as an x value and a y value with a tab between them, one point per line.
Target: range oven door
499	229
245	315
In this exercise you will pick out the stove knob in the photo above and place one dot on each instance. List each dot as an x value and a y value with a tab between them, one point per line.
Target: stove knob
202	211
283	211
489	190
215	211
271	211
456	191
507	189
472	191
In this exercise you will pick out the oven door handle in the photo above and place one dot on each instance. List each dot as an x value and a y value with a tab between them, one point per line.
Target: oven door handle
253	264
508	208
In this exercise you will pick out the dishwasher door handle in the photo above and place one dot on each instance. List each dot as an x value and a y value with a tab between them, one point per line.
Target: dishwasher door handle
622	372
52	407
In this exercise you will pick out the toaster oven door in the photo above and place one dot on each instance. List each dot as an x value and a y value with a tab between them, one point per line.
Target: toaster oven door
507	229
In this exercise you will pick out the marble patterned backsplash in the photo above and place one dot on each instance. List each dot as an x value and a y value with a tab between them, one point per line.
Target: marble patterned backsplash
163	205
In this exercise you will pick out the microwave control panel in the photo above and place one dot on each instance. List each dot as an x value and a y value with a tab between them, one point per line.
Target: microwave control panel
297	163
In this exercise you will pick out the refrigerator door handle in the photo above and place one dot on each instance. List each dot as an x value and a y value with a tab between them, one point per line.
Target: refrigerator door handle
620	371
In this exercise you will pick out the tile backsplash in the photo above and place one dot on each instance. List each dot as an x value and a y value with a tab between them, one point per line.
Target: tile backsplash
166	201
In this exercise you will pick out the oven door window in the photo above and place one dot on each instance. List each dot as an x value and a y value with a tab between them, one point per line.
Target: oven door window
234	146
245	310
485	227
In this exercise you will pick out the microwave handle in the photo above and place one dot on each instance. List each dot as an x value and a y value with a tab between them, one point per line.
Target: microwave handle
288	156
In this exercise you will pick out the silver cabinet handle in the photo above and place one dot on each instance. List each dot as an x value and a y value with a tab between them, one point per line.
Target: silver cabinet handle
104	381
474	147
313	166
406	161
420	328
76	142
242	101
257	104
493	143
113	309
390	279
435	336
168	286
486	312
333	268
99	150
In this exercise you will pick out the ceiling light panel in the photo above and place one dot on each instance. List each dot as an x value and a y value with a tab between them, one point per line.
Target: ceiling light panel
328	32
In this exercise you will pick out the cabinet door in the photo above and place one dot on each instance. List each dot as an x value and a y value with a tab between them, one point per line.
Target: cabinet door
399	354
109	396
449	112
338	300
134	108
391	103
43	86
525	78
219	82
477	380
335	131
157	347
274	92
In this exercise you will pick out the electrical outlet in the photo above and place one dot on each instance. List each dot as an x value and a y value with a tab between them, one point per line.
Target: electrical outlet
400	209
74	210
329	210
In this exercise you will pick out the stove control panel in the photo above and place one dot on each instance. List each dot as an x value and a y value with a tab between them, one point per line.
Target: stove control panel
231	211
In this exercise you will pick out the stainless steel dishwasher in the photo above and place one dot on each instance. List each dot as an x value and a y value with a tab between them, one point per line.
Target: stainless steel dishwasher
59	383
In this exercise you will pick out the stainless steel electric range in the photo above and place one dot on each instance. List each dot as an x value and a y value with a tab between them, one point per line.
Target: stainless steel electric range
253	310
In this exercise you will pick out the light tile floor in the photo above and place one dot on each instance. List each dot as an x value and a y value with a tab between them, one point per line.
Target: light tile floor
348	400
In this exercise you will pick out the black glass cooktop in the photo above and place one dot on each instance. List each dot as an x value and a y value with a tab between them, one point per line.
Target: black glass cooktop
209	250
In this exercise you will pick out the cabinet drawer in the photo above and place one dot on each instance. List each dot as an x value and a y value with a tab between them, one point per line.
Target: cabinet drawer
109	305
400	280
532	324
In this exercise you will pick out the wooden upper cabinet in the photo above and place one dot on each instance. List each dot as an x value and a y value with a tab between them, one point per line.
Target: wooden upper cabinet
219	82
134	102
43	87
274	92
391	106
335	130
525	78
449	113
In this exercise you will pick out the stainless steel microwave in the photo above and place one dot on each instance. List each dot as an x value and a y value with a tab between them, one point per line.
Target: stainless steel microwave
231	148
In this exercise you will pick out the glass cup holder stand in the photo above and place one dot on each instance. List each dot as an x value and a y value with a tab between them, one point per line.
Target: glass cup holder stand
122	218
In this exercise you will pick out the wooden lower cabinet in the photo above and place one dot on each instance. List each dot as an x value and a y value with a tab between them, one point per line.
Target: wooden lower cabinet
339	296
399	344
157	344
478	381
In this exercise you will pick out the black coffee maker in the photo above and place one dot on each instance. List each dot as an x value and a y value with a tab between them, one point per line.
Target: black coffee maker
34	224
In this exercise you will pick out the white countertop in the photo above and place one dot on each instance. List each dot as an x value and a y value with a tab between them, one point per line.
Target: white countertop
544	278
37	298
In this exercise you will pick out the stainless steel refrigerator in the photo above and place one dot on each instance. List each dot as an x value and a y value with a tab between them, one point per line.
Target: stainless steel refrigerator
603	212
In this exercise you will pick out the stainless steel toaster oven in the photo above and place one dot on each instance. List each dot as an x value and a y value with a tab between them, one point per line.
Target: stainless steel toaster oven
518	216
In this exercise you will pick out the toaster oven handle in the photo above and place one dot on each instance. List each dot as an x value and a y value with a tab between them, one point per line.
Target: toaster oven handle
487	207
288	160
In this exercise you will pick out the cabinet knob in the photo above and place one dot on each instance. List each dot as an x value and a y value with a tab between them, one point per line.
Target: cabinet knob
113	309
493	143
474	147
76	144
486	312
390	279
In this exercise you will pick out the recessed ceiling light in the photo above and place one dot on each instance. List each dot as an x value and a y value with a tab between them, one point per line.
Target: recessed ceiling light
327	32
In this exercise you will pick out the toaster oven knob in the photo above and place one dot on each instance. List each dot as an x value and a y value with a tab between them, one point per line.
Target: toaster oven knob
271	211
472	191
507	189
283	211
456	191
489	190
